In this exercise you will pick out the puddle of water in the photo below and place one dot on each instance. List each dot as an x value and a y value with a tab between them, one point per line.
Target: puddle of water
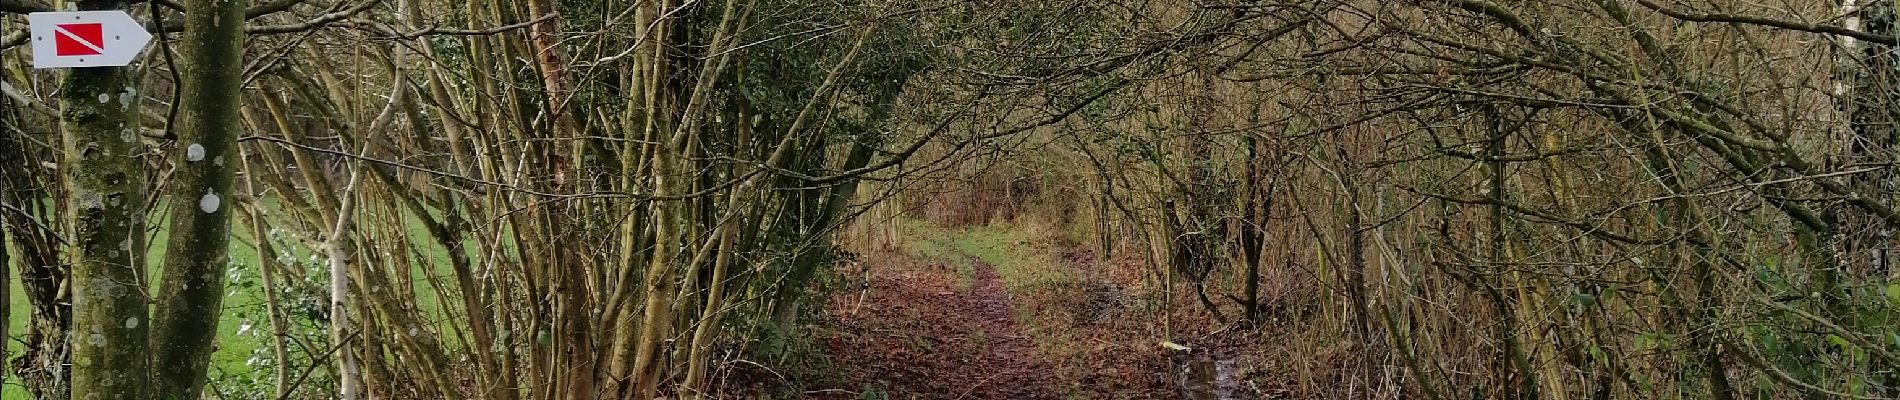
1209	377
1226	385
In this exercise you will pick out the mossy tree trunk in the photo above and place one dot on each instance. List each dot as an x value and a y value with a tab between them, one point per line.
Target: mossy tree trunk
191	295
105	180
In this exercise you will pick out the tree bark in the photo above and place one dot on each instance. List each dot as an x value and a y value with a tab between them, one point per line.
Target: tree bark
191	296
338	249
105	179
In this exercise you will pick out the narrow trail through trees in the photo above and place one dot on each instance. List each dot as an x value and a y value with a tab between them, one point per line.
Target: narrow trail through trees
1014	370
927	331
987	313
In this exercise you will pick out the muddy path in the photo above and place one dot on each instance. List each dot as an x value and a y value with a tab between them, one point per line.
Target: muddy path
919	332
1016	372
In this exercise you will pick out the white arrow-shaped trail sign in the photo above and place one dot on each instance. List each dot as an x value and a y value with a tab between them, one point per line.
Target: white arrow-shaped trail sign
85	39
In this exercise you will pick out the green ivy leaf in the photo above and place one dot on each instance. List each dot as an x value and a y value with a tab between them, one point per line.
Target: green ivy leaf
1583	299
1839	341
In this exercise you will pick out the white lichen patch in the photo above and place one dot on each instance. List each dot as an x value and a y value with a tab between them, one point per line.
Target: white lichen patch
129	97
87	199
97	340
194	152
103	98
107	289
131	323
208	203
218	161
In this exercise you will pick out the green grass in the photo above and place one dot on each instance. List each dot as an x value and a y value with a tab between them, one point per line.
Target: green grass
1019	255
1024	261
240	305
244	302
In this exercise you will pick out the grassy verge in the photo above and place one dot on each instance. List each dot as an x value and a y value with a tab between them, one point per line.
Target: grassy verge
1111	357
1022	257
240	361
1027	262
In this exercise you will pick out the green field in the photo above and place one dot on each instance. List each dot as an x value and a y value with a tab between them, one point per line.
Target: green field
241	362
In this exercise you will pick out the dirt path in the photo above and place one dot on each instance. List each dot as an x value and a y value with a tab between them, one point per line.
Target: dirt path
1016	372
945	325
917	333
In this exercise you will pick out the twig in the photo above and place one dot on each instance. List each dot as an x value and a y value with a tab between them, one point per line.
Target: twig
18	97
317	363
431	171
1835	30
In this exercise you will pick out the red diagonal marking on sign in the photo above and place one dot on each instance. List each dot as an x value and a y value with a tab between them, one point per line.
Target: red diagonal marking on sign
79	39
